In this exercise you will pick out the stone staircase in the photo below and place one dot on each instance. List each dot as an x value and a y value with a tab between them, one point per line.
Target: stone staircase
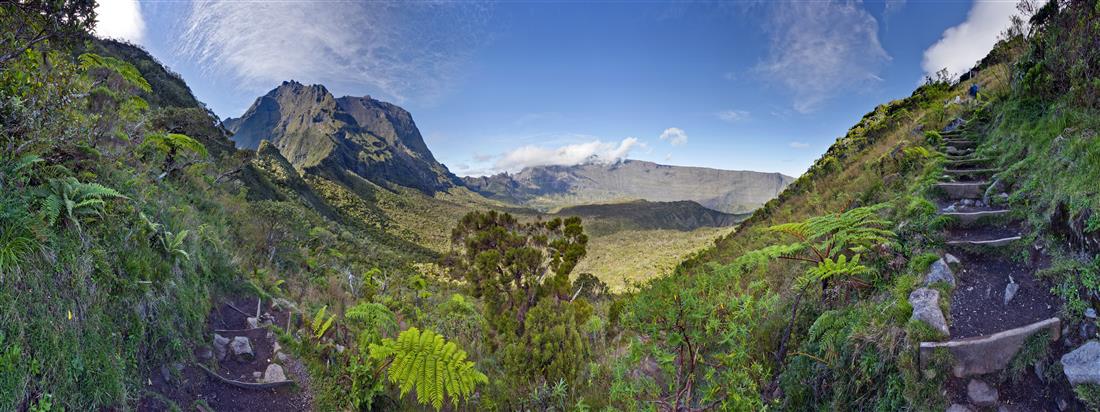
996	303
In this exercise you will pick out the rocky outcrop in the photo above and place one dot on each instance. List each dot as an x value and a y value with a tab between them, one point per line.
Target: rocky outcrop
939	272
320	133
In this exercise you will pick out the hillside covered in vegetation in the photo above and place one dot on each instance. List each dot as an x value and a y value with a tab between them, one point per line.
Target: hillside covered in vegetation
147	262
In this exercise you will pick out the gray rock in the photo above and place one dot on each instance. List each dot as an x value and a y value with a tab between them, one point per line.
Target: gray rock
1083	364
340	348
276	347
926	308
253	322
981	394
242	348
204	354
939	272
950	209
959	408
274	373
281	357
1090	313
953	262
257	375
1040	371
968	202
220	343
1010	291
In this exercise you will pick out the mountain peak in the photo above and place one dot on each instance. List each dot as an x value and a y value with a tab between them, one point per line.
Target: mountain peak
316	131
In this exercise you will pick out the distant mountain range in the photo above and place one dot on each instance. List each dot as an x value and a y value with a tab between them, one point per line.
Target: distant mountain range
552	187
326	135
684	215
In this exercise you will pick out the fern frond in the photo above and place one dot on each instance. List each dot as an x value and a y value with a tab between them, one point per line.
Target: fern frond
427	363
127	71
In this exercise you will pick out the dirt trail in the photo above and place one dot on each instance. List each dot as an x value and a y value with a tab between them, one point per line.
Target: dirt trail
995	290
188	386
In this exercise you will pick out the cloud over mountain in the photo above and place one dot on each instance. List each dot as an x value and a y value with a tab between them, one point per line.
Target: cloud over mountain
821	48
961	46
674	136
596	151
381	45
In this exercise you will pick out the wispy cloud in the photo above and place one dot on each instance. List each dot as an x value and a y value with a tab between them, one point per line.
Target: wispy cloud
377	46
798	145
120	19
960	47
819	49
733	116
674	136
594	151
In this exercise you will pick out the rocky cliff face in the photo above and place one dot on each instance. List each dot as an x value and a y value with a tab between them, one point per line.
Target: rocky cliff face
323	134
549	187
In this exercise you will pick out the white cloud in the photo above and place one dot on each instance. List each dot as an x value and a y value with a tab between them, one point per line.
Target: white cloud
595	151
799	145
675	136
382	46
960	47
120	19
733	116
819	49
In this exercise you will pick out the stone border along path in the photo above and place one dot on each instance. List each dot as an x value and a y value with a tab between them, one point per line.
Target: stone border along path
981	297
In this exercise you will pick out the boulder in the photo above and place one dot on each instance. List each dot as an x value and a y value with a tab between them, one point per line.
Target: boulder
959	408
253	322
242	348
981	394
220	343
952	262
274	373
926	308
939	272
1083	364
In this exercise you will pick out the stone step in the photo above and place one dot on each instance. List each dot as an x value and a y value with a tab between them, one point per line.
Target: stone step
987	354
960	143
968	218
970	172
973	161
998	242
963	190
951	151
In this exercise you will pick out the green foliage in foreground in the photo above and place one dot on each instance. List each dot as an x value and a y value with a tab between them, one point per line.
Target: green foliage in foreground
430	365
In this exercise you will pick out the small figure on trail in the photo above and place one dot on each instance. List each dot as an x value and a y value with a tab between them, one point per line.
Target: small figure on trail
974	90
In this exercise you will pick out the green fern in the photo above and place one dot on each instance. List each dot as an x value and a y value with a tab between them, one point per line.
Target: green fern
70	200
429	364
172	143
320	325
129	73
375	319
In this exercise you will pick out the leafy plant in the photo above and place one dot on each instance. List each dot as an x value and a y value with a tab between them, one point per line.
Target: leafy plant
430	365
127	71
70	200
375	319
173	146
320	325
825	242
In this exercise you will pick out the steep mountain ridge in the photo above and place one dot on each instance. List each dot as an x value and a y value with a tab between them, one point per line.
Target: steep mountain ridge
549	187
320	133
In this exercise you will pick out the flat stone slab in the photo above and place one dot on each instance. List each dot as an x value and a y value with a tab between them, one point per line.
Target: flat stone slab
967	218
1005	241
926	308
963	190
969	172
959	146
990	353
967	162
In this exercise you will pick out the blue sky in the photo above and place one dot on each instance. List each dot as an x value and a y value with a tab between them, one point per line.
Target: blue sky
495	87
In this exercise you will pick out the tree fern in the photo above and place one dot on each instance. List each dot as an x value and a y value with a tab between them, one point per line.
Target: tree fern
129	73
375	319
430	365
174	142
